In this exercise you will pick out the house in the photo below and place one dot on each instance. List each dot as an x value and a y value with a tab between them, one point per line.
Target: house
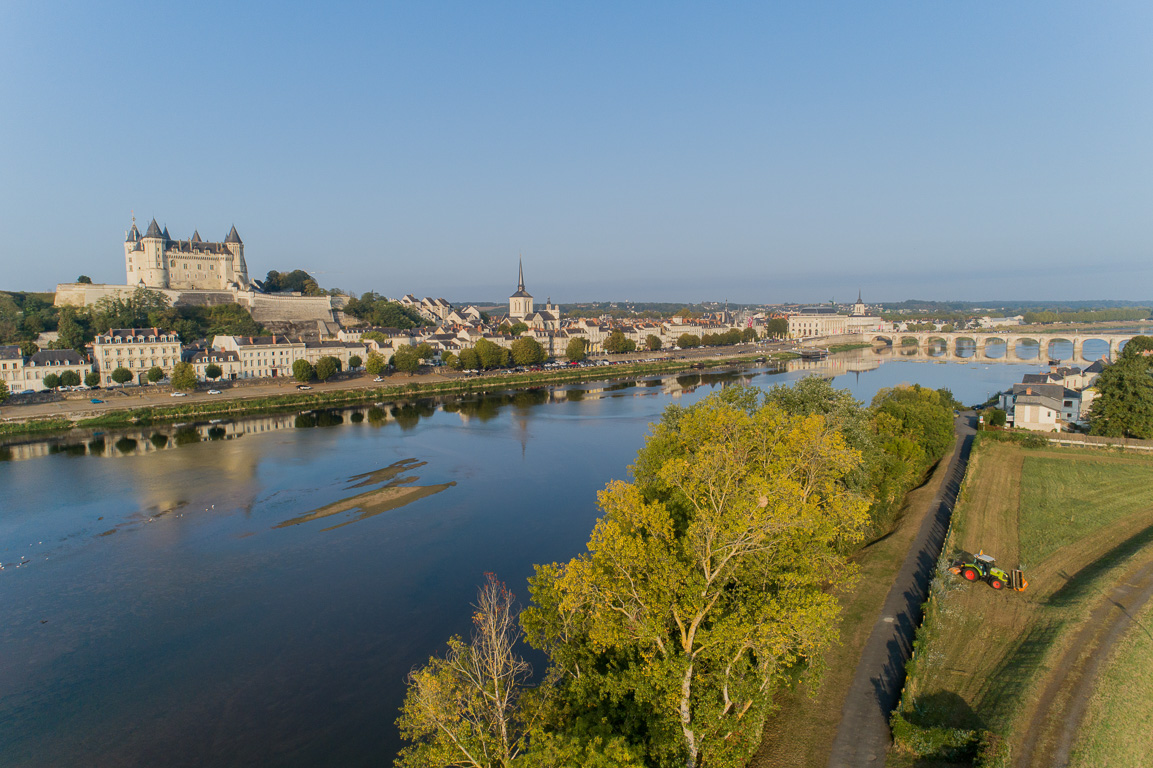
138	350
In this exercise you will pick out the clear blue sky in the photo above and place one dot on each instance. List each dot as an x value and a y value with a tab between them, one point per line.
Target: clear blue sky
645	151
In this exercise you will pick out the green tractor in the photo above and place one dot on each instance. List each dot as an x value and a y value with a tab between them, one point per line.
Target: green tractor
982	567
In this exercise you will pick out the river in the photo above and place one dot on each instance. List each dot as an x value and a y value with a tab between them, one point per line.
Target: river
254	592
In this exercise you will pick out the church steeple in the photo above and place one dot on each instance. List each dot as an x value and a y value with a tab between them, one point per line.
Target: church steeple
520	281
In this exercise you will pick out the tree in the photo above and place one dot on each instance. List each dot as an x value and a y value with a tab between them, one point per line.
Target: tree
92	379
72	333
69	379
183	376
528	351
653	342
51	381
327	367
576	350
121	376
1137	346
213	371
748	335
469	360
375	364
777	328
354	362
155	374
616	342
303	371
84	279
450	360
688	341
463	709
705	580
405	359
4	392
29	348
516	329
1124	404
492	355
995	417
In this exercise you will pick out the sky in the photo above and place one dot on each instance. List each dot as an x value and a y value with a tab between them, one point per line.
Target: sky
645	151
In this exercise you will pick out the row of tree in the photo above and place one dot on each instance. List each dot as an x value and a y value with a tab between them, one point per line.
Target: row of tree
1088	315
378	311
708	578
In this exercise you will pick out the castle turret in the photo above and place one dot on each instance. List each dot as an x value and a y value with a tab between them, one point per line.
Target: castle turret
236	247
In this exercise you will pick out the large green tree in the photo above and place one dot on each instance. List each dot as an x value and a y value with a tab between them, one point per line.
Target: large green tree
4	392
327	367
469	359
122	375
375	364
492	355
69	379
213	371
1124	403
406	359
155	374
303	371
706	579
183	377
653	342
528	351
92	379
688	341
617	343
576	350
51	381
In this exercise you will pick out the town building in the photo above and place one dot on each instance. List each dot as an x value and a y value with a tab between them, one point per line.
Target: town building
226	360
22	373
264	357
522	310
136	349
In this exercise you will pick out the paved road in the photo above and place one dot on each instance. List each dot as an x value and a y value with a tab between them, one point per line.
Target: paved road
863	736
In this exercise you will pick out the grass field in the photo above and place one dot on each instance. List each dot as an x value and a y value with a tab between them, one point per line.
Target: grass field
1079	517
1118	730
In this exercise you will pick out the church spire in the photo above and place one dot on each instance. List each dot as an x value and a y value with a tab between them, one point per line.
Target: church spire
520	282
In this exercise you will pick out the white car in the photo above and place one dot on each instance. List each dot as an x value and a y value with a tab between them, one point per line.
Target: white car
379	378
214	391
179	394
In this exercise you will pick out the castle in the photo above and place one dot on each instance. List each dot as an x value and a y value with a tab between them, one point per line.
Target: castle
155	260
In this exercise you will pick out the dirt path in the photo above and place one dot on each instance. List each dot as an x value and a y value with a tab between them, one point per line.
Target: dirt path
1052	731
863	737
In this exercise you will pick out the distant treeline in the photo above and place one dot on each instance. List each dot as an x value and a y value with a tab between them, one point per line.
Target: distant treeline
1088	316
1009	307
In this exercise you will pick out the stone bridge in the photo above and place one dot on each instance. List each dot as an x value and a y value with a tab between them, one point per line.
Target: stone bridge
924	339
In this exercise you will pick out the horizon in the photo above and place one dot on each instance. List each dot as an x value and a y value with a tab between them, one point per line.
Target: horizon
664	153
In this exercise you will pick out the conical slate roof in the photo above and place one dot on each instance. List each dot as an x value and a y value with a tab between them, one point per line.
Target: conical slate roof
233	237
521	293
165	233
154	230
196	236
133	234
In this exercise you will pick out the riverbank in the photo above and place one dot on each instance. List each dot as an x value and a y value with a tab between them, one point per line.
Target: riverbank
353	391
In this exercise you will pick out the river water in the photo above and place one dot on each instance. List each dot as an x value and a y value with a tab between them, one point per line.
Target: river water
254	592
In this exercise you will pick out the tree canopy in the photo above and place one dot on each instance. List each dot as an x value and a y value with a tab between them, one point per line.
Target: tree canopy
183	376
382	313
327	367
122	375
1124	403
576	350
528	351
303	371
296	280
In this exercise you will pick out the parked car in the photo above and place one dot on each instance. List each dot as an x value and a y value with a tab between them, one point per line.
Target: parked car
178	394
303	386
96	401
214	391
379	378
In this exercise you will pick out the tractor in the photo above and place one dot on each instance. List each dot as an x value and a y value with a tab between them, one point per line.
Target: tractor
982	567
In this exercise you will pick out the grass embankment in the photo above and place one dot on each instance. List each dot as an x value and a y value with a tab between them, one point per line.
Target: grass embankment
985	663
846	347
239	406
1118	728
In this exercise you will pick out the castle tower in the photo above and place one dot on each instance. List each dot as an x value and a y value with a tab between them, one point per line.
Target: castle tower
520	303
236	247
144	257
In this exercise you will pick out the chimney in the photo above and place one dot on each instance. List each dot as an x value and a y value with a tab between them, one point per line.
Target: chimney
1028	390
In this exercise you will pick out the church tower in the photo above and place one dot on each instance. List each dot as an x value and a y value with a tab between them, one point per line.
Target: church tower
859	309
520	303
